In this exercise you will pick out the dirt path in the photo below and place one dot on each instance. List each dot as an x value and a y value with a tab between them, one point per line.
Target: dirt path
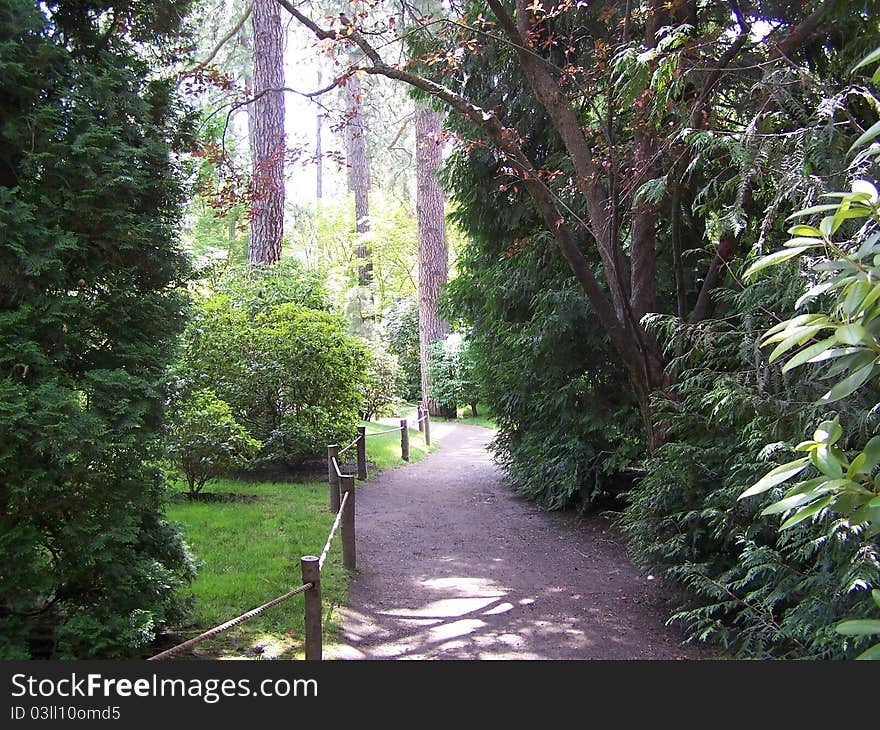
453	565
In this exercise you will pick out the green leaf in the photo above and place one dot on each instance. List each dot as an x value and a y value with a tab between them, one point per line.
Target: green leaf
857	466
872	451
865	187
828	432
875	595
849	384
827	461
777	257
807	486
777	476
824	208
826	225
849	359
858	627
808	353
784	505
871	654
869	300
798	337
852	334
806	242
814	292
819	485
855	295
797	321
796	333
868	135
872	57
810	231
805	514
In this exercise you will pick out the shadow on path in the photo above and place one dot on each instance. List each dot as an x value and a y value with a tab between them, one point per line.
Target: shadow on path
454	565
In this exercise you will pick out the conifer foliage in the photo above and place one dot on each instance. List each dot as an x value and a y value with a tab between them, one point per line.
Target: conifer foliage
90	307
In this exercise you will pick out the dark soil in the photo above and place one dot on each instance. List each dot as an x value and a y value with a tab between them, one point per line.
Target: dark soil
452	564
305	470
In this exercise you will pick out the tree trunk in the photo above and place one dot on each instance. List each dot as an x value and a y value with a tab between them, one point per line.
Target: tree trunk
432	242
358	173
266	122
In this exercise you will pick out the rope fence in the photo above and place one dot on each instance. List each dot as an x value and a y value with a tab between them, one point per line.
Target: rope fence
229	624
346	448
382	433
342	504
326	550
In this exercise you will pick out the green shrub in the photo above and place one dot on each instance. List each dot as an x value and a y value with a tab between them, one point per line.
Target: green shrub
291	376
205	441
90	309
739	582
379	390
258	287
451	369
401	323
566	422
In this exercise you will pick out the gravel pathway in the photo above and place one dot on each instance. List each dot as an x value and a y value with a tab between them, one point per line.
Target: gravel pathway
453	565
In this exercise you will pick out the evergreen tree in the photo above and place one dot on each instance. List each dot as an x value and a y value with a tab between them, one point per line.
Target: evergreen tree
90	306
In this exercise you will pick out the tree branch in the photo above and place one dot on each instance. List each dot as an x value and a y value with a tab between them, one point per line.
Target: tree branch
223	41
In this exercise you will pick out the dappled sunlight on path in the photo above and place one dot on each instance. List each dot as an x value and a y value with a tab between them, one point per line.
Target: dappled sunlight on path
453	565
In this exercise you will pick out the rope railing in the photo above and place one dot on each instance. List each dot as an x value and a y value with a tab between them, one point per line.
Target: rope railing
229	624
311	571
346	448
326	551
380	433
311	566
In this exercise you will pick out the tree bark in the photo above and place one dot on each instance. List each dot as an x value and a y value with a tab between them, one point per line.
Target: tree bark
266	122
432	242
358	173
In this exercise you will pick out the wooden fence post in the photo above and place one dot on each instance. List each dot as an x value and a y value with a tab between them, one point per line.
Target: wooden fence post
419	414
311	573
349	556
427	428
404	440
332	478
362	452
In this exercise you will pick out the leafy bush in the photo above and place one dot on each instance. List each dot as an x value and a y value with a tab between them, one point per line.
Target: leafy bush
291	376
452	375
380	386
740	583
258	287
205	441
566	423
401	323
90	308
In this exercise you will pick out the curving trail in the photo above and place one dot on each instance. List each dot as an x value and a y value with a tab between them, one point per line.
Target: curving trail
453	565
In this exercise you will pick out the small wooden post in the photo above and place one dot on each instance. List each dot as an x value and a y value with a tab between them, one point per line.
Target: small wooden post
419	414
332	478
311	573
404	440
362	452
349	556
427	428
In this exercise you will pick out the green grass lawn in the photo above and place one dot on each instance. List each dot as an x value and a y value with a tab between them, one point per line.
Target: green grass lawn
251	552
250	548
383	452
485	419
